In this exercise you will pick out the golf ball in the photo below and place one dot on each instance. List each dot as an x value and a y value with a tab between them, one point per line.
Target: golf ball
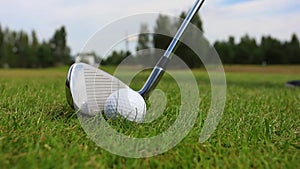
126	103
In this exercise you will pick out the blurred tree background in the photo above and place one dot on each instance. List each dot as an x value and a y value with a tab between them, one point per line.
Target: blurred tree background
268	51
246	51
23	50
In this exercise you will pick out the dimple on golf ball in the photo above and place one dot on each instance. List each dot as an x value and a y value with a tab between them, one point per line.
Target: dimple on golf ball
126	103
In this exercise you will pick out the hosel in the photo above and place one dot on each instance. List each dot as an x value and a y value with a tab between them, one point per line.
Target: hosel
155	76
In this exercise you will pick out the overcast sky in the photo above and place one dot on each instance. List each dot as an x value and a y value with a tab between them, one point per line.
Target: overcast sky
82	18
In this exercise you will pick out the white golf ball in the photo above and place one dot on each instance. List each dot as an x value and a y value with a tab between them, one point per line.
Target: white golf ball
126	103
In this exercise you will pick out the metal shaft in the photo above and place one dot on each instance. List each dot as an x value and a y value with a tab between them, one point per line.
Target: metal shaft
161	66
184	25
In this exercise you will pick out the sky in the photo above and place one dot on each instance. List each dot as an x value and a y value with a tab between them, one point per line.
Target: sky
221	18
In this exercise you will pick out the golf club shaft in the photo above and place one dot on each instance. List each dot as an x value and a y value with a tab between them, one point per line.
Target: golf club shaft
162	64
184	25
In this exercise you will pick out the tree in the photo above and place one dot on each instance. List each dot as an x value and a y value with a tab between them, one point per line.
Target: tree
60	50
143	38
231	49
197	22
272	51
193	35
10	49
22	50
34	45
1	46
226	50
247	51
143	46
293	50
162	33
44	55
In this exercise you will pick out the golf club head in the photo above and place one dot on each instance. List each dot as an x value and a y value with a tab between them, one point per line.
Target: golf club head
87	88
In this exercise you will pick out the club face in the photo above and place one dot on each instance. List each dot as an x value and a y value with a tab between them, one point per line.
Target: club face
87	88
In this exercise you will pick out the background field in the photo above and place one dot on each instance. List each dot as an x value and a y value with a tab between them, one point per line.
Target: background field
259	128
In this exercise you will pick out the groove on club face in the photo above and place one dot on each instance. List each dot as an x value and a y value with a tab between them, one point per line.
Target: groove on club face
99	86
89	88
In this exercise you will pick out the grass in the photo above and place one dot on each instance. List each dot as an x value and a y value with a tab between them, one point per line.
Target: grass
260	127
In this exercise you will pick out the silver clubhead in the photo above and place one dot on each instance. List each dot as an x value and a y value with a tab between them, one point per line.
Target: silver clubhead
88	87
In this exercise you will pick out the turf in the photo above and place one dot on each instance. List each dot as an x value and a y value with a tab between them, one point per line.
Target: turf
259	128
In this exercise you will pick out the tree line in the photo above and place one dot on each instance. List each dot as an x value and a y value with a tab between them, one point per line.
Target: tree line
247	51
269	51
23	50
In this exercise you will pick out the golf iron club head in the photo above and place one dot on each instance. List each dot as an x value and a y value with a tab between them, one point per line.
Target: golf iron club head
88	87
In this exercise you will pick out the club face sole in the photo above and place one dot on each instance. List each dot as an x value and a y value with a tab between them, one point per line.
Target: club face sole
87	88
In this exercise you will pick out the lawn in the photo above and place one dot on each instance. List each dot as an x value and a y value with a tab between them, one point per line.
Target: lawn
260	126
